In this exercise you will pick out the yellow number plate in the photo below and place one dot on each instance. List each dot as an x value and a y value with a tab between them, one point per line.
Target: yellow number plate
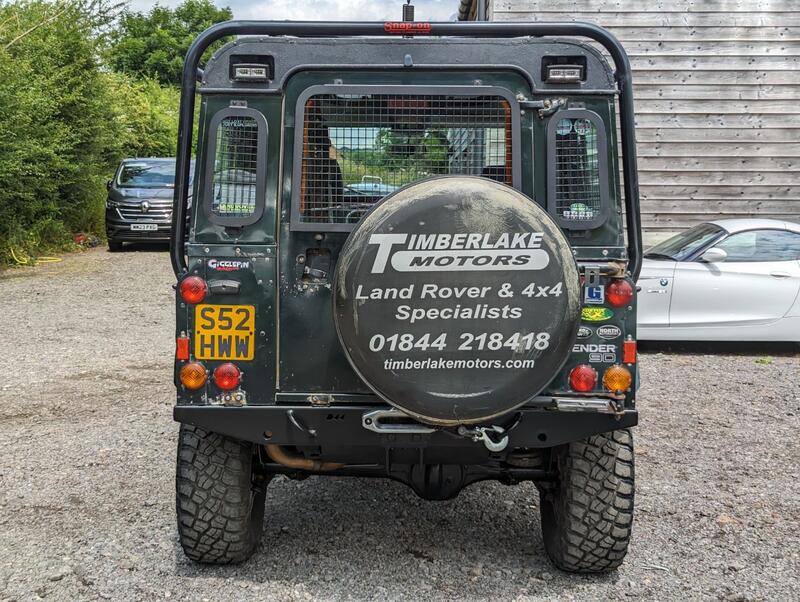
224	332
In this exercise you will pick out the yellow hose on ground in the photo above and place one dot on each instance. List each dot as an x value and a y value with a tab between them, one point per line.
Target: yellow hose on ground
37	261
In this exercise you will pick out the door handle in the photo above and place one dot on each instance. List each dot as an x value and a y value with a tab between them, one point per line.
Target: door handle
780	274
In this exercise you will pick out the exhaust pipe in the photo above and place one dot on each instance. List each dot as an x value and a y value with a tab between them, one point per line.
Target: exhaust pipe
280	456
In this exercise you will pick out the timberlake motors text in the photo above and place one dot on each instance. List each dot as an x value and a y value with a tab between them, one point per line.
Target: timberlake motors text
459	252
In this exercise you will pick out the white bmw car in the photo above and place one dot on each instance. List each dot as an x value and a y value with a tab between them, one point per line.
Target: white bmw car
726	280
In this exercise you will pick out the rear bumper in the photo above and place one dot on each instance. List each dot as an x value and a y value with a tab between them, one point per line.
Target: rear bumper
343	425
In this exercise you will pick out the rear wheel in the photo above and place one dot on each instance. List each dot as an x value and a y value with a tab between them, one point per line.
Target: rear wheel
114	245
588	515
219	497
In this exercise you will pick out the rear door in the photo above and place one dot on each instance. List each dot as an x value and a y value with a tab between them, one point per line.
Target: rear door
757	283
350	146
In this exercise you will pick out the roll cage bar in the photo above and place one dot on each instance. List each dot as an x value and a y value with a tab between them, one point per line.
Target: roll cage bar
191	65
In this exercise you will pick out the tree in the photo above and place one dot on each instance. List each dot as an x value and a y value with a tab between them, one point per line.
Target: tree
154	44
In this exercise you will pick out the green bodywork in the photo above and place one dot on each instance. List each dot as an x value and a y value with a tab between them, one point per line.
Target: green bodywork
297	350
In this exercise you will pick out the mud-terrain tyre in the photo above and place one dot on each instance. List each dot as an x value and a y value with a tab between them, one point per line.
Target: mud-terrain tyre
219	497
587	515
114	246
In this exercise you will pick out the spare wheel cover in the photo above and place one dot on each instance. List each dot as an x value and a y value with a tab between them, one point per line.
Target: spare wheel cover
456	299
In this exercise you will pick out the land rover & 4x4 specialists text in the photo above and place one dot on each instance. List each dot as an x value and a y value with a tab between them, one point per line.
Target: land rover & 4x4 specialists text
407	258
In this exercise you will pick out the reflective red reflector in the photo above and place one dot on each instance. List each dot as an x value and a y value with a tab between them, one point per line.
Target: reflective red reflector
583	378
227	376
193	289
629	352
182	348
619	293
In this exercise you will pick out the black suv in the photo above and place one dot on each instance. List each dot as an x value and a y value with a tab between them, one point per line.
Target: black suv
139	204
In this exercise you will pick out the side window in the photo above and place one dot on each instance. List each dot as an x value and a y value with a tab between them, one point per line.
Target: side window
235	174
577	186
762	245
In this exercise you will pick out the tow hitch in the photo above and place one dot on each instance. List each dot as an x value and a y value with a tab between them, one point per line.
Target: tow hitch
493	437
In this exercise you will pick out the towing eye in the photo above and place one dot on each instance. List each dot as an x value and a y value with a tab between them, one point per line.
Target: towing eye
482	433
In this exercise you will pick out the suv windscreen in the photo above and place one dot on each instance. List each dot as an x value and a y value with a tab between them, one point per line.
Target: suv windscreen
147	174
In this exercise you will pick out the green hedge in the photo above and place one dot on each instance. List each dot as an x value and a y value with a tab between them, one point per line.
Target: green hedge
65	122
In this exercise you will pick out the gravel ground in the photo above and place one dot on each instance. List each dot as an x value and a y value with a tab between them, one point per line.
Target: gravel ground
87	469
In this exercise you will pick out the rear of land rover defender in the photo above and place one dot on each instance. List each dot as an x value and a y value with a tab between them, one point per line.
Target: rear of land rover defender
410	257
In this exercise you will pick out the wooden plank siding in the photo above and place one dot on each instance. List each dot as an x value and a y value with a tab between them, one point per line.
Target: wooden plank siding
717	87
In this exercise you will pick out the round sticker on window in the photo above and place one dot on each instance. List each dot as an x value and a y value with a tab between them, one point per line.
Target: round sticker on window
582	127
564	127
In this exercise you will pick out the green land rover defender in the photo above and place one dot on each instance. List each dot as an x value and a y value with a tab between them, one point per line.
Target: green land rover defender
410	254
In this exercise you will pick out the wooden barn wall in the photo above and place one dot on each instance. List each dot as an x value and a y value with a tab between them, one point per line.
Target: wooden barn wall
717	88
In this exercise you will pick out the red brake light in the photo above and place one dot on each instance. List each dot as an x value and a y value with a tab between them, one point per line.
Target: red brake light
583	378
619	293
193	289
227	376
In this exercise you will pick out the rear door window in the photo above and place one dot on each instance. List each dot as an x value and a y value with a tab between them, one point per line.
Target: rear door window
236	167
354	148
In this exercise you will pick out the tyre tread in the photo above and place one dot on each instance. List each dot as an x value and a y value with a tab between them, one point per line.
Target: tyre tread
219	510
587	519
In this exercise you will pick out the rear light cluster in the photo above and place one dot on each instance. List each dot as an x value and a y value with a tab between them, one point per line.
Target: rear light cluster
227	376
193	289
616	379
619	293
194	376
583	378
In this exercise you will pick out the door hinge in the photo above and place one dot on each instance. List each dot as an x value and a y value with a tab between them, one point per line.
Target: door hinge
545	107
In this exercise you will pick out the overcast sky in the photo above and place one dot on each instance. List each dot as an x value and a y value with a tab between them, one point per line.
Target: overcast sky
325	10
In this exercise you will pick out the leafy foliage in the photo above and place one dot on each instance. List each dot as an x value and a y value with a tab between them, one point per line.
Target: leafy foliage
154	44
66	120
54	144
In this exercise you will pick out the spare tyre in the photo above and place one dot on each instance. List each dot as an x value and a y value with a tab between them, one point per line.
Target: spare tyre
456	299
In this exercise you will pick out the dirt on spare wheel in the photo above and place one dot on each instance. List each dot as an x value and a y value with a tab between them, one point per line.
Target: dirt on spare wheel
87	475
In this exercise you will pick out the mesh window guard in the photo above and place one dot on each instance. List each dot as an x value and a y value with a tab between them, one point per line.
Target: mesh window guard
235	167
357	148
578	179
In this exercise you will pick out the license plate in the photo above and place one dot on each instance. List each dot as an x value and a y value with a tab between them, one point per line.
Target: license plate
224	332
149	227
